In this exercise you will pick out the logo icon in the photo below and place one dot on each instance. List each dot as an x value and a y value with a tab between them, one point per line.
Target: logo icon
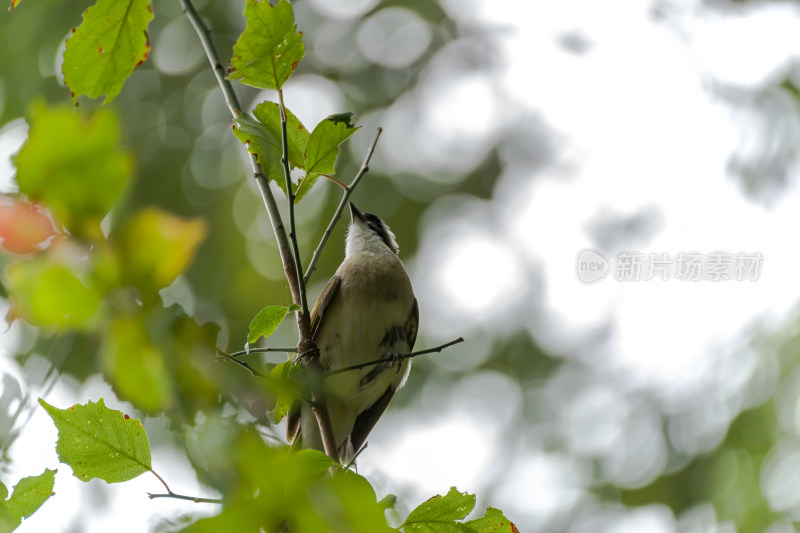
591	266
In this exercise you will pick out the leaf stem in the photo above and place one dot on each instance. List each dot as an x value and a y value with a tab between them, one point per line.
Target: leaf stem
161	479
337	182
348	190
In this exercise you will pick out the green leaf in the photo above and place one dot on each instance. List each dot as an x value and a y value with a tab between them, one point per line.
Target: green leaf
388	502
110	42
136	364
98	442
74	165
440	513
283	388
269	49
49	292
314	462
8	522
323	148
30	493
493	522
157	246
266	322
263	138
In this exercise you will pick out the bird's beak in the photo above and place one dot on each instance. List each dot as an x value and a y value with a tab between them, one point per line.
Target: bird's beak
355	214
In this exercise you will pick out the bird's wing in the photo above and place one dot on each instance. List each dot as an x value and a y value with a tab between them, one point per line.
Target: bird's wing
369	417
323	302
412	325
317	314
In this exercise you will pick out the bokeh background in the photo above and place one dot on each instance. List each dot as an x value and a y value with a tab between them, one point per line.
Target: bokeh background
516	134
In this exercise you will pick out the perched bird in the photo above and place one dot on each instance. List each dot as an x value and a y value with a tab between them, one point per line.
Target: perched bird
366	312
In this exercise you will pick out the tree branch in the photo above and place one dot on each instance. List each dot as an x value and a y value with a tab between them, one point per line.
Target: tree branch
211	52
291	261
398	358
342	204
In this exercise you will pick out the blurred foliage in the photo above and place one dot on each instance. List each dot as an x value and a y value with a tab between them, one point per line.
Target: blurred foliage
159	208
93	279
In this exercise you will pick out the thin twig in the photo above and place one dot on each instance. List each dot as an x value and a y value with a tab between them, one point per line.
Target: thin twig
211	52
342	204
194	499
259	350
400	357
287	174
225	357
353	460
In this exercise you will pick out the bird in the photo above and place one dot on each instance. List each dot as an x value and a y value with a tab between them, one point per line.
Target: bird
366	312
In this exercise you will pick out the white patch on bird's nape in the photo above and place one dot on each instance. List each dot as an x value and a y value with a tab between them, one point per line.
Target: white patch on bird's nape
391	237
369	235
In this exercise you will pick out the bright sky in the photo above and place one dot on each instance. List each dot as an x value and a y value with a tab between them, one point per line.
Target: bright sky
638	131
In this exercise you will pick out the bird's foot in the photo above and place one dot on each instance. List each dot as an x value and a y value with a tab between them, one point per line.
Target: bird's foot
309	356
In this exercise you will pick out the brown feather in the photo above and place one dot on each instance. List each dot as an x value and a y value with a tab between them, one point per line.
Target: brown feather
368	418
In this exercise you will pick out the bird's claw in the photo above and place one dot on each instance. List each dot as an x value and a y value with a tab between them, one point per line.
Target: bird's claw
309	356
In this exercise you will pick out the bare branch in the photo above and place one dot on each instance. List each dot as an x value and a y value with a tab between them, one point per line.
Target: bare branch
194	499
287	174
398	358
259	350
211	52
225	357
342	204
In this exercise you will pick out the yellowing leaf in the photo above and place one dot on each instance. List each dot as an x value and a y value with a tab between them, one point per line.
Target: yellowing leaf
157	246
74	165
50	293
269	49
110	42
24	228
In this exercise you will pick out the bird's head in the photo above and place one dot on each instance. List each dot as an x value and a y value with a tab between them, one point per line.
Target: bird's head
368	233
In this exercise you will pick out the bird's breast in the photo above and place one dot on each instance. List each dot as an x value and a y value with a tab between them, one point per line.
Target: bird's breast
368	321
